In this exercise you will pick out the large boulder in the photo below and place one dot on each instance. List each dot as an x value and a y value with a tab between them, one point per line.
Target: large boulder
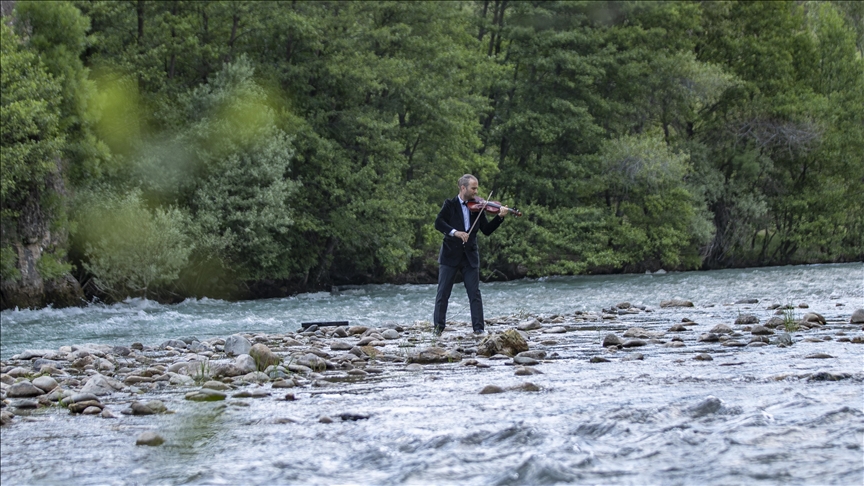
857	317
509	343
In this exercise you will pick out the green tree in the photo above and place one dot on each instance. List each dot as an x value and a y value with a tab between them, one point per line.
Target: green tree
30	145
58	32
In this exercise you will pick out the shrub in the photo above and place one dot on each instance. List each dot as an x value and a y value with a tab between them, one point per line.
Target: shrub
129	249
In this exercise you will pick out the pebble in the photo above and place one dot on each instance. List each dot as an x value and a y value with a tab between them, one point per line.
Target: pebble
703	357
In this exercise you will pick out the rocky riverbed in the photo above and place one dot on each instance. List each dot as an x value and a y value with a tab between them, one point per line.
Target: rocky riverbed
111	381
107	385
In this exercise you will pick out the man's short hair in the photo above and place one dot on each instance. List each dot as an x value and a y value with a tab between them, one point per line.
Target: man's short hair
466	179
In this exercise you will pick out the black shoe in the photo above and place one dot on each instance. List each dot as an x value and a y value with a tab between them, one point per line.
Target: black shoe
480	333
437	331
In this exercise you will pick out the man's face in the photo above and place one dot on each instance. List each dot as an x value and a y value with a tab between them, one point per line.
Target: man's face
468	192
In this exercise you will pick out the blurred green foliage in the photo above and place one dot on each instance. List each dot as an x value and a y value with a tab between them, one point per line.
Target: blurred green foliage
297	145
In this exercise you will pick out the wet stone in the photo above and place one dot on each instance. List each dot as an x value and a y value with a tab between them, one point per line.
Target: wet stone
818	356
341	346
636	332
827	376
677	328
747	319
721	329
24	389
709	338
205	395
526	387
598	359
555	330
79	407
527	371
676	303
149	438
24	404
525	360
703	357
529	325
491	389
282	383
632	343
612	340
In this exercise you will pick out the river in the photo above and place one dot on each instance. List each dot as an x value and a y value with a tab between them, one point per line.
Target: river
755	415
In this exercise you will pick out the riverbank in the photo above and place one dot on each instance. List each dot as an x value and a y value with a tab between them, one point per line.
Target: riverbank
125	391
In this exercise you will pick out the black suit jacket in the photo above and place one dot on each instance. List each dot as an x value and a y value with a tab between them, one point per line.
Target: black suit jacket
450	218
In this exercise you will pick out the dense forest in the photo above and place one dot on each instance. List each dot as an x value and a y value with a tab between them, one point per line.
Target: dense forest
238	149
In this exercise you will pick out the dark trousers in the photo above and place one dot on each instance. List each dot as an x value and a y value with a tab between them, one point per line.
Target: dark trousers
446	277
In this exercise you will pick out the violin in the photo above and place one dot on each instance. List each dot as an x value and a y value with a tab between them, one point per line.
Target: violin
494	207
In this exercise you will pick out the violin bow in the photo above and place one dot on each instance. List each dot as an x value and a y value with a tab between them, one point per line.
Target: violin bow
478	215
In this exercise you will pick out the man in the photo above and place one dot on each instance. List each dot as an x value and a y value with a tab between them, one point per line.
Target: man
459	252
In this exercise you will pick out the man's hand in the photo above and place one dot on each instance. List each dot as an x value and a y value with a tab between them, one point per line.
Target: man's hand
462	236
503	212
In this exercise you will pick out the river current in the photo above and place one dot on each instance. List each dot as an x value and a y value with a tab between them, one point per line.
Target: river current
752	415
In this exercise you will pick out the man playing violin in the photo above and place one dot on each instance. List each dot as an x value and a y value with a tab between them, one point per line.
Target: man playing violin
459	251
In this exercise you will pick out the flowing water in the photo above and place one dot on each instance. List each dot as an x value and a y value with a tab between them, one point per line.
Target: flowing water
752	415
